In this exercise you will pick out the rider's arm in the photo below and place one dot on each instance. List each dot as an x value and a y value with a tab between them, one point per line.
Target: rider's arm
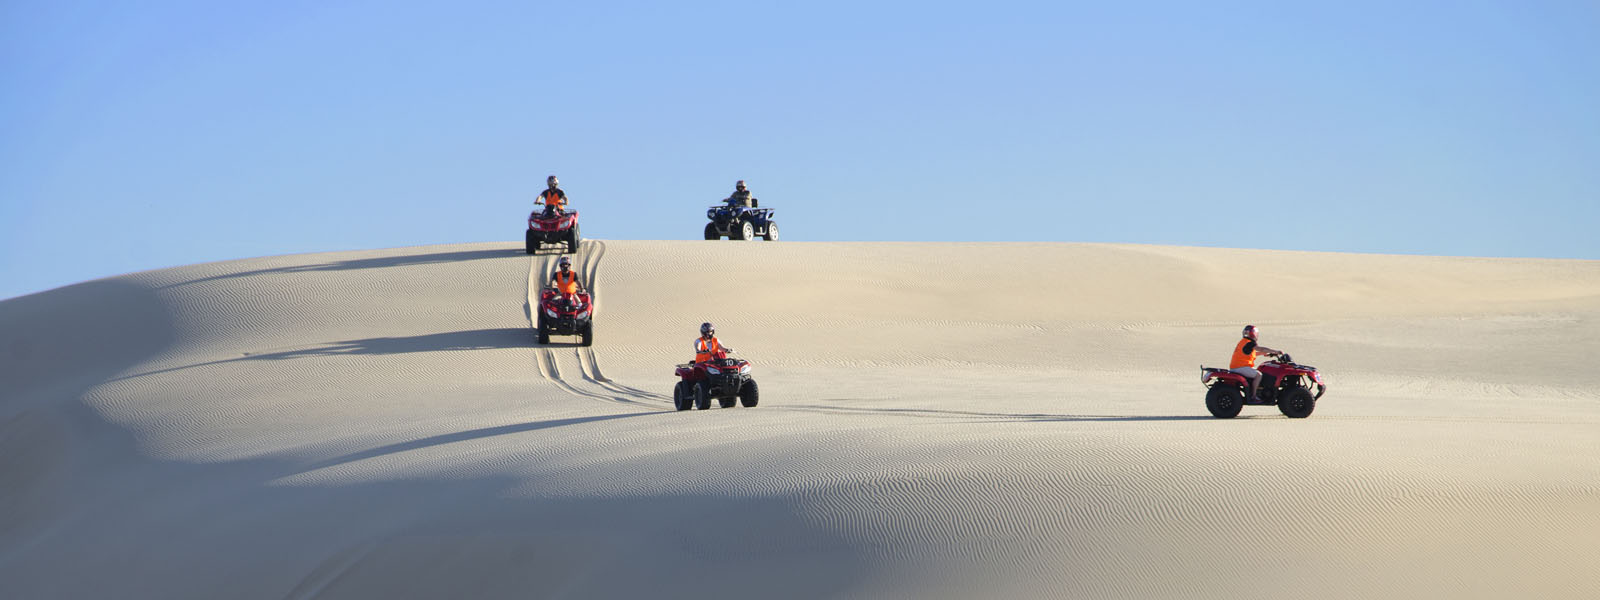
1268	351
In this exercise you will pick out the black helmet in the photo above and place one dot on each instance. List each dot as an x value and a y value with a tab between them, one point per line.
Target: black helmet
707	329
565	263
552	181
738	185
1250	331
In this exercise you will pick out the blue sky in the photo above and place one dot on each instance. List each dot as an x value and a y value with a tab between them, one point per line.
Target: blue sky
143	135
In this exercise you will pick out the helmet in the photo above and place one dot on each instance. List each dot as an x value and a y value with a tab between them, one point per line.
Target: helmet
707	329
1250	331
565	263
738	185
552	181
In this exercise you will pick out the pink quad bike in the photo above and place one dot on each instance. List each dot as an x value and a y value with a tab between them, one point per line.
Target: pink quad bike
1284	384
726	379
552	228
560	316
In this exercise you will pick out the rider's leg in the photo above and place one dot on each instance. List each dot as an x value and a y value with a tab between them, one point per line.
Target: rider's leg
1255	380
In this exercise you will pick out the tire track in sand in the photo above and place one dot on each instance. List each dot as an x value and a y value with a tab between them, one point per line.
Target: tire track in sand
588	361
329	572
583	359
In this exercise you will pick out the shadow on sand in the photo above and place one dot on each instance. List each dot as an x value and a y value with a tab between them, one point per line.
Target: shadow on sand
473	434
475	339
452	341
369	263
993	417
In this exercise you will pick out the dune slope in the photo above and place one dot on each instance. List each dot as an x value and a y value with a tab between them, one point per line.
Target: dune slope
937	420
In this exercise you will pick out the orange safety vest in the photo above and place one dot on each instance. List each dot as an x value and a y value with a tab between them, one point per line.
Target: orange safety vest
555	200
567	283
1242	358
704	351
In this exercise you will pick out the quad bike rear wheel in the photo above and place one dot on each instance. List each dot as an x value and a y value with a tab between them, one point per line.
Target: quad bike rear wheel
772	232
727	402
702	397
680	396
749	393
1297	403
1224	401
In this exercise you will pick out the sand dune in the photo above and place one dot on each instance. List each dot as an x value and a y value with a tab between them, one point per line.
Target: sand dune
937	420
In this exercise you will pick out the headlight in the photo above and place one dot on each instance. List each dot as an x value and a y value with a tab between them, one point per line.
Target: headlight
711	214
744	369
713	370
1317	377
550	312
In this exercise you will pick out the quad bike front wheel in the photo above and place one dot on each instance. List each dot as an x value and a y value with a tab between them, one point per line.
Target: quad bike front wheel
544	332
573	239
747	231
1297	403
749	394
532	245
711	232
680	396
588	333
702	397
1224	401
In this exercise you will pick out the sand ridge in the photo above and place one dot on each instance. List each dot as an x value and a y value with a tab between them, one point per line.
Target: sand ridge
938	420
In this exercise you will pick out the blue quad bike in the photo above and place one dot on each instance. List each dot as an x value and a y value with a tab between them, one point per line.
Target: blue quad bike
741	223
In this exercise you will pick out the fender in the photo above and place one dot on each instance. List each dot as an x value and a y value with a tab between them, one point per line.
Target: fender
1210	376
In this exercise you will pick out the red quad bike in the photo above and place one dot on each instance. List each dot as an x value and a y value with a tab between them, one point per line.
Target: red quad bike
723	378
552	228
558	317
1283	383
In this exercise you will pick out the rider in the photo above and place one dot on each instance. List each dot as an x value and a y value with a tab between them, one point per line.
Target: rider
707	346
741	196
1244	358
554	199
565	280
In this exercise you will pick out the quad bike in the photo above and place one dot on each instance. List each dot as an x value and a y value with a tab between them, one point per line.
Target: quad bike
726	379
552	227
557	316
738	222
1283	383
